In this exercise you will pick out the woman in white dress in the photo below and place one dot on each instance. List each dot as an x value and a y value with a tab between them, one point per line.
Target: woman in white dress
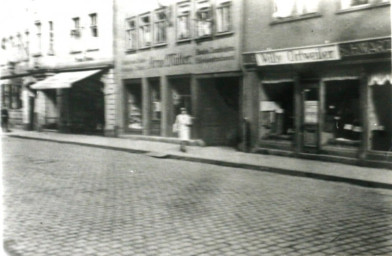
183	127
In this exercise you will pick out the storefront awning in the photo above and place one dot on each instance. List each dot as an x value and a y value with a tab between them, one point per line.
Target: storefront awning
379	79
63	80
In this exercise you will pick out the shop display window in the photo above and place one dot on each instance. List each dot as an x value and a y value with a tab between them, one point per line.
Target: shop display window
277	111
380	117
342	120
134	105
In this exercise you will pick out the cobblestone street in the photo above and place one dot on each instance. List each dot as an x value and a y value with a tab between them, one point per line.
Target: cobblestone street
64	199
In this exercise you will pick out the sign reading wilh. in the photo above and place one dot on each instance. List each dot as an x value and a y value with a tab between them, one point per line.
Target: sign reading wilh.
298	55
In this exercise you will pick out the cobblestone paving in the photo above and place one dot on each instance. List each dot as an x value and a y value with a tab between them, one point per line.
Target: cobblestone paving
62	199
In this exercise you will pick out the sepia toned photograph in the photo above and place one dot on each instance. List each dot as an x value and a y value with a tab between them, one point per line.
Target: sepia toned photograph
196	127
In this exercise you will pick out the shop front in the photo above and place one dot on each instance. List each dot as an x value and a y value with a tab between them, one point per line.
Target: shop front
322	100
203	79
72	101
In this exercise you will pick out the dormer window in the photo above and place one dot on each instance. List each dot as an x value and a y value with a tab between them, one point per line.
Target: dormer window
203	19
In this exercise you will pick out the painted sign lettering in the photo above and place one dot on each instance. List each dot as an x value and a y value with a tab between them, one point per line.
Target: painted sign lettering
365	47
298	55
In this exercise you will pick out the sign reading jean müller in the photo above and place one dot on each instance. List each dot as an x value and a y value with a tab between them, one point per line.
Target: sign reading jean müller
200	56
298	55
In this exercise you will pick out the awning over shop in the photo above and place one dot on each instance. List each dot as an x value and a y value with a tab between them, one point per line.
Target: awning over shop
63	80
379	79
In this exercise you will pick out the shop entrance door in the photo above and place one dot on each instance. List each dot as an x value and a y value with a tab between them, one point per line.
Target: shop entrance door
310	120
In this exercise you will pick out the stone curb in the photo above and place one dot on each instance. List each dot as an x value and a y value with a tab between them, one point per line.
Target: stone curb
295	173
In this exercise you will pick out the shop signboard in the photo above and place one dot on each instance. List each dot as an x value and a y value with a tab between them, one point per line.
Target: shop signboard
365	47
298	55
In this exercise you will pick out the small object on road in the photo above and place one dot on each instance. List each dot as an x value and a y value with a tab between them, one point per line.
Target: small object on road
157	154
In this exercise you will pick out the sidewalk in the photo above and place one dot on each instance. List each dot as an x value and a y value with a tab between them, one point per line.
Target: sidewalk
364	176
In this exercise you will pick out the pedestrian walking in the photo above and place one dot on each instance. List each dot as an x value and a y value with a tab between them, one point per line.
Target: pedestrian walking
183	127
4	119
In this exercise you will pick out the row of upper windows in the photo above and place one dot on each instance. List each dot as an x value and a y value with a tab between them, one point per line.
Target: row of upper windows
295	8
76	33
151	28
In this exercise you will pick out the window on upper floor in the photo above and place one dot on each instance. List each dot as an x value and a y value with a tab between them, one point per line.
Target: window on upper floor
26	43
38	35
160	26
294	8
75	32
145	31
51	39
346	4
183	20
93	25
4	44
203	18
223	17
131	34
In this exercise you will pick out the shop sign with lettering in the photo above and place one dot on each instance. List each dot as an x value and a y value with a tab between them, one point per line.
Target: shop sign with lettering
298	55
374	46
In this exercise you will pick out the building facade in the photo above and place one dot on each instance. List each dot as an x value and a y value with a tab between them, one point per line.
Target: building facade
317	76
176	54
68	79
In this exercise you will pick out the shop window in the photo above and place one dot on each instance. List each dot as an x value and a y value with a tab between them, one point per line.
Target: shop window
277	111
342	120
145	31
160	26
380	117
11	96
93	25
134	108
203	19
51	38
183	21
38	42
131	34
294	8
223	17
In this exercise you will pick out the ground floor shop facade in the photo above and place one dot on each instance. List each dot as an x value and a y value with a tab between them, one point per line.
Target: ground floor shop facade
150	106
332	100
75	100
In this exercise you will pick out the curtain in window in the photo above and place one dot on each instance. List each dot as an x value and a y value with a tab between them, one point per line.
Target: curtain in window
283	8
223	18
306	6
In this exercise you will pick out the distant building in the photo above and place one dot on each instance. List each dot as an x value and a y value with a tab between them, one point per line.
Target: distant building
67	67
317	77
